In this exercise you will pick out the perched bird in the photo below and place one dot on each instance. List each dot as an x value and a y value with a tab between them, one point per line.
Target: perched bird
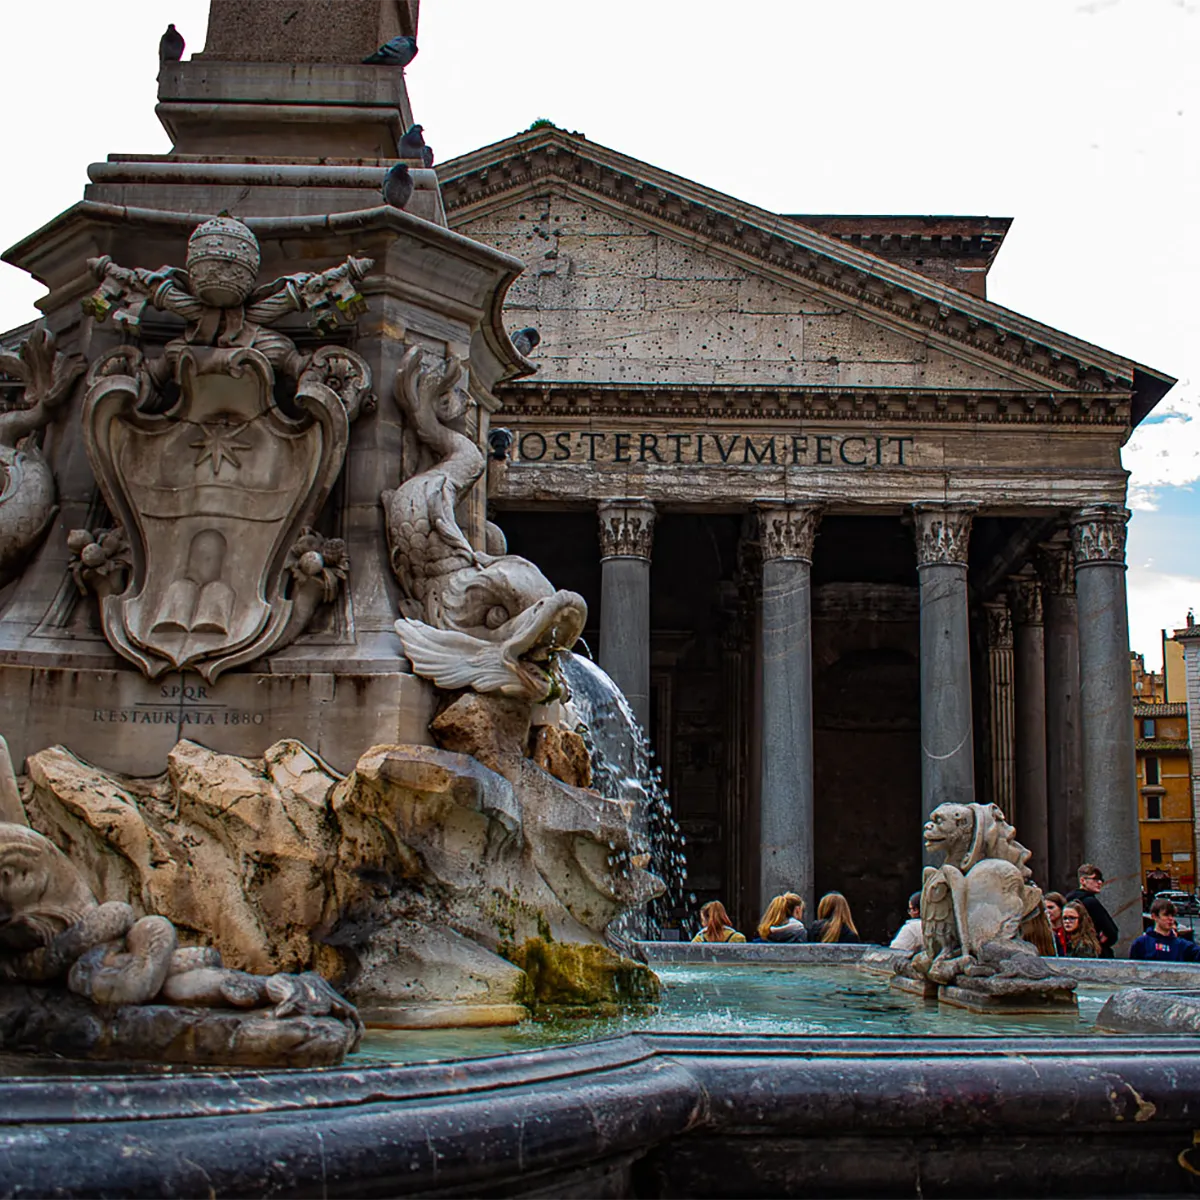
427	156
412	144
170	45
398	186
398	52
525	340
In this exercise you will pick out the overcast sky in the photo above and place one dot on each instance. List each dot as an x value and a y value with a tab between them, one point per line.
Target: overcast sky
1078	118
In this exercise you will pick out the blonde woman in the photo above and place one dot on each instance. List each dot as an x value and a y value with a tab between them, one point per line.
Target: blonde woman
715	925
783	920
834	922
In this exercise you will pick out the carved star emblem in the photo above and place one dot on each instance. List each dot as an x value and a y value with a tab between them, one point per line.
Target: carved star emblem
218	444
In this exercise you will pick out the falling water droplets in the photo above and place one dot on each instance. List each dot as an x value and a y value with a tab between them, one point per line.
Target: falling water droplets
622	770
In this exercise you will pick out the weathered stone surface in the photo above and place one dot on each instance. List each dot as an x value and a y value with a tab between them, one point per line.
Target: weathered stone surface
401	882
1142	1010
564	975
563	754
44	1020
487	727
303	31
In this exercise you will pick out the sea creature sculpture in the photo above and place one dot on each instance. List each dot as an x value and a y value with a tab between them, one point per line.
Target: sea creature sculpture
53	932
975	908
488	621
27	492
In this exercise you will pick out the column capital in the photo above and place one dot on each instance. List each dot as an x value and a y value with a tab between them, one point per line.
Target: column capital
1098	535
1025	598
999	621
787	531
942	532
626	528
1056	566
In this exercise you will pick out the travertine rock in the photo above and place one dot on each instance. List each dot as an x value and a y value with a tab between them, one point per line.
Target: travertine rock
563	754
402	882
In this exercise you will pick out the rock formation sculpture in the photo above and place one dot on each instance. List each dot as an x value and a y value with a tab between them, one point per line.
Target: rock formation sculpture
27	492
216	457
974	908
411	882
489	621
54	933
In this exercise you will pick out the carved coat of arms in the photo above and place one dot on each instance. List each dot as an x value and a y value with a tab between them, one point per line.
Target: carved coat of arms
216	458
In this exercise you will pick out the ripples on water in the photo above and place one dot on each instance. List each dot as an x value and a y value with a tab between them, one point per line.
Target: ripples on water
805	1001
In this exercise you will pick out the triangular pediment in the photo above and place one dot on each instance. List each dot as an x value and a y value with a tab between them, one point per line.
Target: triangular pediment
620	300
741	286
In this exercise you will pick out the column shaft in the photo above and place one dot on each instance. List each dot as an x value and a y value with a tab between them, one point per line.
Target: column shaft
1110	829
1064	753
947	742
1000	679
1029	678
626	538
786	820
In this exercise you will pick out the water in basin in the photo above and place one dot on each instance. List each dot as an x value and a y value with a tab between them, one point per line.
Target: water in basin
819	1001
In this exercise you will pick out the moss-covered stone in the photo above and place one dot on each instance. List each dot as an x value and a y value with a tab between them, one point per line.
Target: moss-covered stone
580	975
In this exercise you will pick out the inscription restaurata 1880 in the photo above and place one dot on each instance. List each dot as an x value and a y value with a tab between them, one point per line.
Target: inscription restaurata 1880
179	704
713	449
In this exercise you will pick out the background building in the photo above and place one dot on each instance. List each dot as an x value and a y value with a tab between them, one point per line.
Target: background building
1166	816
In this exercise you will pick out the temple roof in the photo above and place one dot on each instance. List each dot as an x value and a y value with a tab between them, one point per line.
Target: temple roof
856	260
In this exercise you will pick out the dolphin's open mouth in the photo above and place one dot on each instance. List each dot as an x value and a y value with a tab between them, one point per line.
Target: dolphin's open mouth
530	640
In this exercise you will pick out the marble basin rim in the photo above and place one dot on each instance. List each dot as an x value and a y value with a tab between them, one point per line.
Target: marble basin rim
639	1115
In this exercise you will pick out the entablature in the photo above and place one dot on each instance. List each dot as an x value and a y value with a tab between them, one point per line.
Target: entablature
532	399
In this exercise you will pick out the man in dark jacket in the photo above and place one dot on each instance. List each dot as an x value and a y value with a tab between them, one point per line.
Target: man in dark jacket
1091	880
1160	943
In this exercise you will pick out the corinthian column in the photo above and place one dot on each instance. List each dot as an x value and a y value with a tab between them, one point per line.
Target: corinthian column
1064	761
947	741
1110	831
1029	679
626	538
787	533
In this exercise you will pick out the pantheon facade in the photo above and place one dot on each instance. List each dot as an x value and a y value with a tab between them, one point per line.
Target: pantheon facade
852	536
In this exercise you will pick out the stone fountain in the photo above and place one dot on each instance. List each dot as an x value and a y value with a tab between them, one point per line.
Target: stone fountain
289	713
976	910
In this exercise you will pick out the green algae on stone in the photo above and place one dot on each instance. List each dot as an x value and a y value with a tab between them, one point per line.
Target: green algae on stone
583	975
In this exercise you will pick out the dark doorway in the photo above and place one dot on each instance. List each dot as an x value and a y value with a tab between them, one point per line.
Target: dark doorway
867	719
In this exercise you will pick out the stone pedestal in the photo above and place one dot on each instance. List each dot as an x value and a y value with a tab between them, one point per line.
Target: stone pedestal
304	31
1064	766
1110	829
787	533
1029	678
947	743
626	540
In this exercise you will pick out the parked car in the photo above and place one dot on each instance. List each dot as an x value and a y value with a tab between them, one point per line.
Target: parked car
1186	904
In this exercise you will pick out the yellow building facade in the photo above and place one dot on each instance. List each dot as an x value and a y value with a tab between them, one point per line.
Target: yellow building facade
1166	820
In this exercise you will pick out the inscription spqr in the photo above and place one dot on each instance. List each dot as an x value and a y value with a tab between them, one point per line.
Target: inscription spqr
179	704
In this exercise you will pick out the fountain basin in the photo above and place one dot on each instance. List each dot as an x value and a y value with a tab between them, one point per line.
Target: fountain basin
721	1093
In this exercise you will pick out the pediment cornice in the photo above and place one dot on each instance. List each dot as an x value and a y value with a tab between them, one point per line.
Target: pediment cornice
541	399
1028	351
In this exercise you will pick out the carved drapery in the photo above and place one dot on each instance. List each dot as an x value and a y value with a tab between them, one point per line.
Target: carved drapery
942	534
788	531
1098	534
626	529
